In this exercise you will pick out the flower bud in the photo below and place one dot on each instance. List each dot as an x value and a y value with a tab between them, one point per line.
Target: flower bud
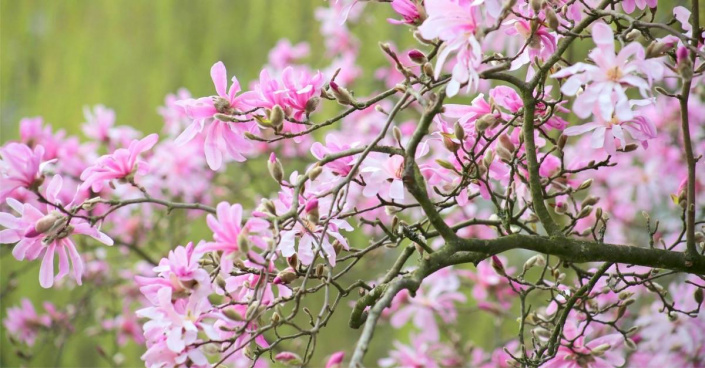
417	57
288	358
562	140
589	201
276	318
276	117
698	296
600	349
684	65
341	94
44	224
311	210
585	212
243	243
445	164
427	70
536	260
314	172
536	5
488	158
232	314
254	310
586	184
658	49
448	143
560	208
90	204
319	270
486	121
630	344
632	35
396	133
551	18
506	142
312	105
221	104
293	261
276	170
504	155
498	266
336	360
285	277
459	131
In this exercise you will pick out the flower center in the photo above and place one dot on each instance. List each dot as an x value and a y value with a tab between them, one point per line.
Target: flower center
614	74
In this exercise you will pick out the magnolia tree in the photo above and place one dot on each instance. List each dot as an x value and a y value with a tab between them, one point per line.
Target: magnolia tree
498	173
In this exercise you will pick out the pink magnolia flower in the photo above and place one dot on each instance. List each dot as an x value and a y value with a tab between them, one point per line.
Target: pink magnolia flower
609	76
540	42
336	360
220	137
284	53
99	126
159	355
20	167
180	320
126	327
38	233
410	10
606	131
335	144
292	93
24	324
384	176
122	164
489	286
312	237
229	231
438	296
602	352
422	353
454	23
629	5
509	99
179	272
174	114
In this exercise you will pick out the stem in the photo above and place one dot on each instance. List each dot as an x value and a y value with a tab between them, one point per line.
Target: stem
688	145
533	166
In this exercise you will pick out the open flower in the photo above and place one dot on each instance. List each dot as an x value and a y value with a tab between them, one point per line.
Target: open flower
122	164
38	233
20	167
229	233
605	131
220	137
453	22
609	77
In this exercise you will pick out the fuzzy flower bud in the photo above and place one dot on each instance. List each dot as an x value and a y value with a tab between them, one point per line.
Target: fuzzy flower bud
276	117
341	94
311	210
486	121
684	65
336	360
276	170
285	277
44	224
459	131
417	57
312	105
498	266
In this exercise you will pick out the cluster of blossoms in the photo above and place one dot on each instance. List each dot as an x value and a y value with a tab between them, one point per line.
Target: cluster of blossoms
422	178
